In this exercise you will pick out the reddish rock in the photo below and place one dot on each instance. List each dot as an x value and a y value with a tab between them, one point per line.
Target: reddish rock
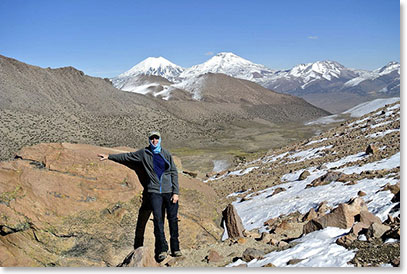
213	256
241	241
60	198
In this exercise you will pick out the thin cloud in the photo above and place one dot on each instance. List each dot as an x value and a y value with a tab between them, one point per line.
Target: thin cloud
313	37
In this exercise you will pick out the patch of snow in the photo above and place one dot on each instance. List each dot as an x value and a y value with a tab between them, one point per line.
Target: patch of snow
239	172
308	154
348	159
325	120
316	141
389	163
381	134
317	249
220	165
370	106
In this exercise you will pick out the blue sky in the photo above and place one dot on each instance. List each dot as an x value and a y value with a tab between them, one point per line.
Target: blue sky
104	38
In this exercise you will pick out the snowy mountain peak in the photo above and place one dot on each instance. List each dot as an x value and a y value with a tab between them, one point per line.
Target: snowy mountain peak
230	64
321	67
155	66
318	70
389	68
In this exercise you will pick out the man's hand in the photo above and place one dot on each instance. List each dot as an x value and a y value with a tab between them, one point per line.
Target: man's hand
174	198
103	157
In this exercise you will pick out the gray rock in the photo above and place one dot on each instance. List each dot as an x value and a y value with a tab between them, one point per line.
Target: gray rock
140	257
252	253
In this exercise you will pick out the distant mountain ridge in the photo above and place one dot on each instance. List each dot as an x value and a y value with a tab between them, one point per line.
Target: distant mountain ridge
315	82
65	105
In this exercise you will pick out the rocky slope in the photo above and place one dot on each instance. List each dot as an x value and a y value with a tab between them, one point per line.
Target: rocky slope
61	206
332	200
64	105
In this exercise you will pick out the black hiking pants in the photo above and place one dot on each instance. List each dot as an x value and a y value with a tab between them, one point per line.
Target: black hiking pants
159	203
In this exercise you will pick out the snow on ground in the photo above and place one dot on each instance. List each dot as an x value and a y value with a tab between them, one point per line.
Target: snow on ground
316	141
308	154
271	159
357	111
220	165
381	134
317	249
325	120
370	106
389	163
297	197
239	172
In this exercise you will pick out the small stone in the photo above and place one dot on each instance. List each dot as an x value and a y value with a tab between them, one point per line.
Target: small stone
269	265
270	222
346	240
361	193
213	256
282	244
371	149
294	261
304	175
241	241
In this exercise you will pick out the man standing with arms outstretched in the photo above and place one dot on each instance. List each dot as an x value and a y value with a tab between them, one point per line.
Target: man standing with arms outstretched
158	175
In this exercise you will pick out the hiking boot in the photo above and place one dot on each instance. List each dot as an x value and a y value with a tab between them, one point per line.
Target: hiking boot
177	253
161	257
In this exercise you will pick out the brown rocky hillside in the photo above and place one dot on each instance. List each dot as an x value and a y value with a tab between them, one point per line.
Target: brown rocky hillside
63	105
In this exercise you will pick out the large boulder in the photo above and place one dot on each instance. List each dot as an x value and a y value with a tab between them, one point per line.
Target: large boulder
343	216
61	206
233	222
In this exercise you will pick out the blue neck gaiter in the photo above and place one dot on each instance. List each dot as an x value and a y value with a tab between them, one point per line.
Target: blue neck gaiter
155	149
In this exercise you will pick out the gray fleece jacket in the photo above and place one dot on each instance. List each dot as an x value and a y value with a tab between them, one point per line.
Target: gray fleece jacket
141	161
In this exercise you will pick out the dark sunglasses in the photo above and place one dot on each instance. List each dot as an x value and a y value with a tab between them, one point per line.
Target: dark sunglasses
154	137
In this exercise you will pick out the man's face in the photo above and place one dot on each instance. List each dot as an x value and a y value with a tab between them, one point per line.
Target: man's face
154	139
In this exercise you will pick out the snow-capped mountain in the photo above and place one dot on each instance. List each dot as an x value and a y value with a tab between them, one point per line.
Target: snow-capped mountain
326	84
157	66
392	69
304	75
229	64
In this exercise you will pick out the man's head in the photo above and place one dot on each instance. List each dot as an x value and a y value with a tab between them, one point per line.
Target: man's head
154	137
